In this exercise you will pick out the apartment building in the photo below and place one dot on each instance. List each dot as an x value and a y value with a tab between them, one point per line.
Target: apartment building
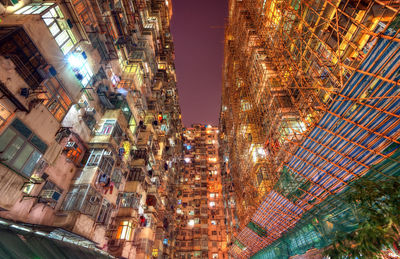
308	106
200	220
90	125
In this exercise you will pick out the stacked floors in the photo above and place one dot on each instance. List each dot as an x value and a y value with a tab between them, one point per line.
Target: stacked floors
309	105
200	215
90	125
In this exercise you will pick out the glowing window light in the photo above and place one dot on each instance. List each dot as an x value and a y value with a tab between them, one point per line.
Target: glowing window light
187	159
191	223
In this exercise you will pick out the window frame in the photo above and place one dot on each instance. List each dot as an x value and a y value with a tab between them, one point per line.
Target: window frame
28	141
117	177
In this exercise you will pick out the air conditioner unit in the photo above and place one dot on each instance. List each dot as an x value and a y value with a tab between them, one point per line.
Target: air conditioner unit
50	195
90	111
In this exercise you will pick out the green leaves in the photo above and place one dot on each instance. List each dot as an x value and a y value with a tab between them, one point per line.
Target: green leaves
377	205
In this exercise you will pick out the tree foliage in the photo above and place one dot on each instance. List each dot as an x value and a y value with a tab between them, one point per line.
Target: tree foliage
377	206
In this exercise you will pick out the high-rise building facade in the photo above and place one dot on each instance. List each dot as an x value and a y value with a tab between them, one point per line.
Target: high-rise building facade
200	214
90	125
309	105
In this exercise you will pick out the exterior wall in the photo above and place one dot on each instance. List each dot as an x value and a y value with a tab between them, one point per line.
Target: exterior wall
113	92
200	208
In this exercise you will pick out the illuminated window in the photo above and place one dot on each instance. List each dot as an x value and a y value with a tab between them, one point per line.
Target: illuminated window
213	222
4	114
60	29
133	125
214	256
56	98
212	204
79	64
107	127
74	154
34	8
135	70
162	66
124	231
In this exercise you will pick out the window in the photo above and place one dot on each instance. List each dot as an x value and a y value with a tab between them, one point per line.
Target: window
106	165
34	8
94	157
4	114
133	125
136	174
83	198
129	200
117	133
107	127
134	69
21	149
105	212
212	204
125	230
59	28
55	98
116	178
214	256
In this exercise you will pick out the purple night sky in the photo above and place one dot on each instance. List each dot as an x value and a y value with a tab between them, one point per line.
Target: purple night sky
198	31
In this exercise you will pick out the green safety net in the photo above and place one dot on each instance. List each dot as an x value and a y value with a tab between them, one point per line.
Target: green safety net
257	229
318	226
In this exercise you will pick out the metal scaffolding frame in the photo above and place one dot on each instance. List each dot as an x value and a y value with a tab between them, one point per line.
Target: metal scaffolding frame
310	87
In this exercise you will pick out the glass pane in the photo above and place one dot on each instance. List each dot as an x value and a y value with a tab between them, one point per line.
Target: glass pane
23	9
72	36
30	165
61	38
40	10
67	47
48	21
32	10
53	13
59	12
19	126
12	149
6	138
54	29
39	144
23	156
85	81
